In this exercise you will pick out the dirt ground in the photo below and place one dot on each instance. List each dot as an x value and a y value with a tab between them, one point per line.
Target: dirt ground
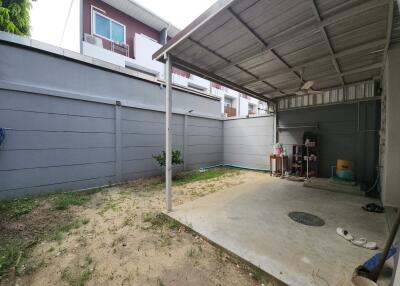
120	238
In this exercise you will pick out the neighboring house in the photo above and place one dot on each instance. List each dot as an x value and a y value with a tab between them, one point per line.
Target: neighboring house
124	33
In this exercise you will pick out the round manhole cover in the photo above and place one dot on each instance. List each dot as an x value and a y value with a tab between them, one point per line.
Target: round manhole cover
306	218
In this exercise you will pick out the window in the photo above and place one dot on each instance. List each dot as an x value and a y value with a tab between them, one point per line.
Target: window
108	28
228	102
251	109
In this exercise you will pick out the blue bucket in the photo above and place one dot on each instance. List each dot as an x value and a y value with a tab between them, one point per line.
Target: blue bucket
346	175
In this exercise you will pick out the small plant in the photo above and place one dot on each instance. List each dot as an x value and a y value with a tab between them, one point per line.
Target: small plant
10	253
159	220
176	158
17	207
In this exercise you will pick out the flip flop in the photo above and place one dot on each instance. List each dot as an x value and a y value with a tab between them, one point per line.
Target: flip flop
359	242
370	245
372	207
362	242
344	233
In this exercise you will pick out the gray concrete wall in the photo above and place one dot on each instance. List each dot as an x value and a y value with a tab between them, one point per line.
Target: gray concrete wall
391	157
346	131
65	129
248	142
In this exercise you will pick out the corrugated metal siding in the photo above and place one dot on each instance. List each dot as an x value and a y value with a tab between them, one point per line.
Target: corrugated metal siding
353	92
345	131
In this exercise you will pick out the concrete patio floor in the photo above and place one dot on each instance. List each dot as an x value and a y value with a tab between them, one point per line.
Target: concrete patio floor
251	221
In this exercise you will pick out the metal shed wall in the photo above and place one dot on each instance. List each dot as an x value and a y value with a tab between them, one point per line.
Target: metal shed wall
345	132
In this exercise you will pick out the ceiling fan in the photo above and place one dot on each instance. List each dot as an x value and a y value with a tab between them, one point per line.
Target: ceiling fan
306	88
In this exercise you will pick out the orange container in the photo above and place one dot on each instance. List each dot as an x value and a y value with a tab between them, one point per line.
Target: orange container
343	165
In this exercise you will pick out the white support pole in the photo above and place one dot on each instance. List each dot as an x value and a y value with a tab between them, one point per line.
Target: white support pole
168	132
185	126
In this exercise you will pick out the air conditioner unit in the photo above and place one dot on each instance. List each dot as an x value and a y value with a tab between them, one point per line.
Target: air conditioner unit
93	40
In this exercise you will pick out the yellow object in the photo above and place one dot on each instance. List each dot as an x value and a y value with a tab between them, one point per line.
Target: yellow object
343	165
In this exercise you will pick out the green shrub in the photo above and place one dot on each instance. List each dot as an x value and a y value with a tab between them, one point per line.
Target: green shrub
176	158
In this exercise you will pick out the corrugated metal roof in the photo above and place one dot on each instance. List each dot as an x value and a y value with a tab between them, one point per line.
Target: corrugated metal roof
267	48
137	11
396	23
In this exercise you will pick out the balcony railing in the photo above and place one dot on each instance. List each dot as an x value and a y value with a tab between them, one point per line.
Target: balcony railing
230	111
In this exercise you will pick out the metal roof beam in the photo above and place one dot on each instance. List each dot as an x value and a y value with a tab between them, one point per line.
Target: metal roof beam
351	72
343	53
346	73
212	77
237	66
262	42
328	41
287	37
250	30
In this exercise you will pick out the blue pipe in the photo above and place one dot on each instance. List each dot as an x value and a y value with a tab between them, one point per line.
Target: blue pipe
236	166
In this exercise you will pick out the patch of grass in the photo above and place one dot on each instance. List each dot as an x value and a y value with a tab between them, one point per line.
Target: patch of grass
75	278
191	252
258	275
109	205
165	240
85	221
159	282
60	233
63	201
17	207
10	252
159	220
194	176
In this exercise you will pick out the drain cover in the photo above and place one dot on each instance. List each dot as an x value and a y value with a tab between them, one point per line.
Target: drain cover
306	218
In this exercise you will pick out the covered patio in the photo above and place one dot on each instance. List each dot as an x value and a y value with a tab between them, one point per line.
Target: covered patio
294	54
252	222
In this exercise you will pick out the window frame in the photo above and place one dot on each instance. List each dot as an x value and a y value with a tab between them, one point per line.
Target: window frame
94	12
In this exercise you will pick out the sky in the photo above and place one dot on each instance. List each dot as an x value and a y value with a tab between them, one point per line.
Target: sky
57	21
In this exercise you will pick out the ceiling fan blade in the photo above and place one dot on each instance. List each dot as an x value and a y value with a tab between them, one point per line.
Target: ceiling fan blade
311	91
307	85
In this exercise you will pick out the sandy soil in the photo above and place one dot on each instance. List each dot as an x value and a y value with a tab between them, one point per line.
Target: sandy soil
118	242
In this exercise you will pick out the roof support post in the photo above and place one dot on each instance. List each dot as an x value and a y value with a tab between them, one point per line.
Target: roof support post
168	132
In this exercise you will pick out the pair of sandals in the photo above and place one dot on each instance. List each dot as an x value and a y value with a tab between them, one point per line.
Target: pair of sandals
361	242
374	208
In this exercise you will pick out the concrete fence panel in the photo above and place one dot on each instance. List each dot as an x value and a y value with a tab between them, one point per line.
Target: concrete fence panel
248	142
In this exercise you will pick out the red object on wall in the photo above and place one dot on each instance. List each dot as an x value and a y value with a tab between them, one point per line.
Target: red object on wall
180	72
216	85
132	25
